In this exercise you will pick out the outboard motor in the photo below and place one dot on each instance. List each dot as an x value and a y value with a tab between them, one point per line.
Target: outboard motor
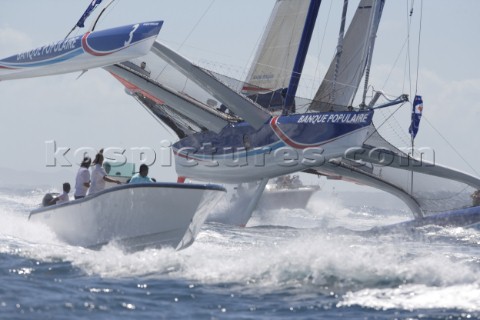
47	199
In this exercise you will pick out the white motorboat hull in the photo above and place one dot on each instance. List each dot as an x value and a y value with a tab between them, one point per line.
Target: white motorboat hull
296	198
135	216
233	209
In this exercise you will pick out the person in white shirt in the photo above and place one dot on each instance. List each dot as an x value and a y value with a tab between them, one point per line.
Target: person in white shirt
63	198
82	181
99	175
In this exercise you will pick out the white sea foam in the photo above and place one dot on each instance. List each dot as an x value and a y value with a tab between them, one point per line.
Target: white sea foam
413	297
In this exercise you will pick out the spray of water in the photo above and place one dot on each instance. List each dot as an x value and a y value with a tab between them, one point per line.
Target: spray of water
299	250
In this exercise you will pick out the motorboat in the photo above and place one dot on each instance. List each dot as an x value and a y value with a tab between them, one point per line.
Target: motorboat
286	192
135	216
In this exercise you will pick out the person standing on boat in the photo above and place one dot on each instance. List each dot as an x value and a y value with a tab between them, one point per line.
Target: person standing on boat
99	175
82	181
141	176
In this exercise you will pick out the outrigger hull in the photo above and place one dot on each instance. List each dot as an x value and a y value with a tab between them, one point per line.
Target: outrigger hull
135	216
465	217
91	50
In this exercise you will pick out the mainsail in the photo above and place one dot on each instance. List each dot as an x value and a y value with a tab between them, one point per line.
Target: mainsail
273	64
271	70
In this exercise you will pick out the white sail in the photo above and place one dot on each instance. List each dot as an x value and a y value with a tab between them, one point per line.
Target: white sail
273	64
357	44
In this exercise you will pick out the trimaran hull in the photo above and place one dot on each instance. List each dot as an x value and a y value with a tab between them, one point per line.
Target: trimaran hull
284	145
91	50
465	217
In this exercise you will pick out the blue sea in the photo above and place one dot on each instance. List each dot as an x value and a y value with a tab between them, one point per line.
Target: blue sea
308	263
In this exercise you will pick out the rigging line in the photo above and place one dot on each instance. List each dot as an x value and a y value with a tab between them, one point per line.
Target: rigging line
102	12
321	46
338	55
419	42
395	63
409	64
381	124
190	33
253	52
394	130
408	59
374	21
197	23
451	146
165	127
383	94
96	20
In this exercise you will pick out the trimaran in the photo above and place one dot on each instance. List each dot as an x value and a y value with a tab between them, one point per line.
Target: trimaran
244	131
250	131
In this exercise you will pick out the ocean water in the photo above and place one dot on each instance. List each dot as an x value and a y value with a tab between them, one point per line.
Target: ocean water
286	264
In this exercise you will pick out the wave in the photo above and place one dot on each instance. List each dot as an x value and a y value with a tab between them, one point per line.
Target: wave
302	251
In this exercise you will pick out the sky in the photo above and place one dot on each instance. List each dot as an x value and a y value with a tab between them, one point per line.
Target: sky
94	111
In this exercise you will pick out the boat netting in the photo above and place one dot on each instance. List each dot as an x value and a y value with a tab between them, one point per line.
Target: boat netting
435	188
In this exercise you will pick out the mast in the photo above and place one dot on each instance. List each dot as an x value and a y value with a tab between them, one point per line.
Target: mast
301	55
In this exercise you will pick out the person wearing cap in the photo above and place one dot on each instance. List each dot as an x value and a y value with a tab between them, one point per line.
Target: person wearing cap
82	181
141	176
99	175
